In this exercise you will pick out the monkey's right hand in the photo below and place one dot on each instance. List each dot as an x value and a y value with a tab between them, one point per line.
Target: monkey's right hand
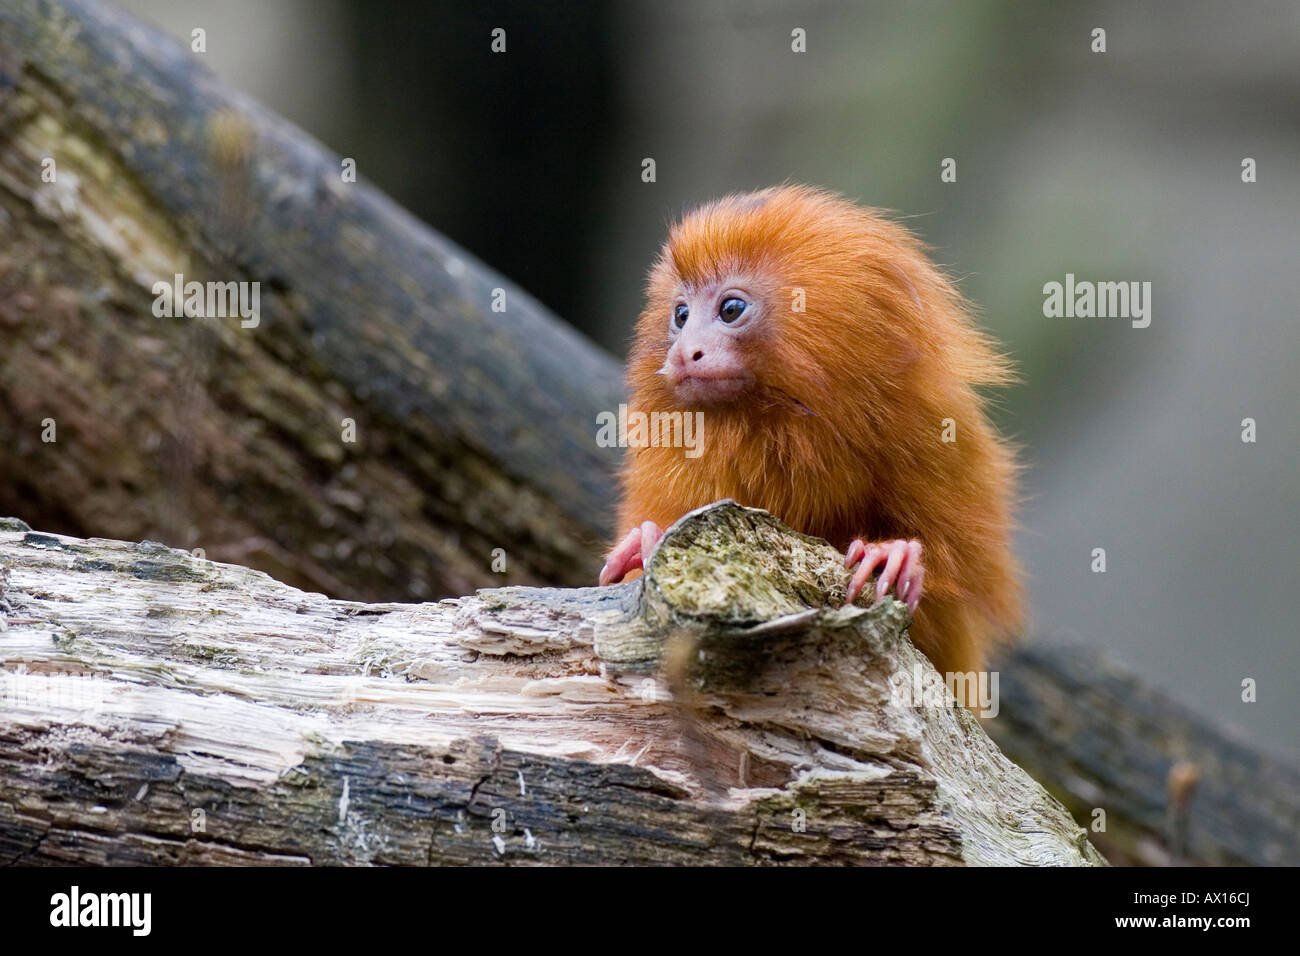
631	553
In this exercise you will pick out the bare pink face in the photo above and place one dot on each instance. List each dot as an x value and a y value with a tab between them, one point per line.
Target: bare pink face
709	327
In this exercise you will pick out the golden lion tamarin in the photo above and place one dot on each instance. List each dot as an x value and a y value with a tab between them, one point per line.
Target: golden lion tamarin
837	370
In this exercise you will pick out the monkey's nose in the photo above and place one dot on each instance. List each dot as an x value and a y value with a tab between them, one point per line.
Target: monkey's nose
699	354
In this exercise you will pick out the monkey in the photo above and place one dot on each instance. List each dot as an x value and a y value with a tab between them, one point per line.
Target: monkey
838	370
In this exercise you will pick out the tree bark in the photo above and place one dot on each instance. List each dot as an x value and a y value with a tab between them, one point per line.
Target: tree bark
474	429
723	709
1175	788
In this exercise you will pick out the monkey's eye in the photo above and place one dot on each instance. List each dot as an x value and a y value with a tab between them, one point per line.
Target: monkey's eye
680	315
732	309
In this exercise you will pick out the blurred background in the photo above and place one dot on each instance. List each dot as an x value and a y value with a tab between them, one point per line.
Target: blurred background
1123	165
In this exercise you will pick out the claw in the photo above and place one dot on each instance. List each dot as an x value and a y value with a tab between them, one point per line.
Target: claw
901	570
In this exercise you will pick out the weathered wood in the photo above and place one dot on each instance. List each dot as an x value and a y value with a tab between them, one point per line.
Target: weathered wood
160	708
475	430
1176	789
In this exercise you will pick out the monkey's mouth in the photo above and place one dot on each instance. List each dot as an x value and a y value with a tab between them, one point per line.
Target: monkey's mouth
710	389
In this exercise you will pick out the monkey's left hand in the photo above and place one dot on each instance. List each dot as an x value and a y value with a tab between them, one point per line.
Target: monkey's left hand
902	569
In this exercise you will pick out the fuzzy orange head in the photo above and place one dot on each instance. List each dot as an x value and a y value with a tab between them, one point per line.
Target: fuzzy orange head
775	296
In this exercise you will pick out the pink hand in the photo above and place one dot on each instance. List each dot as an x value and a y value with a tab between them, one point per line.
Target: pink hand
902	570
631	553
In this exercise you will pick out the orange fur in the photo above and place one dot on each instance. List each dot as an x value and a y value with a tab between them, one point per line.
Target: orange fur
884	352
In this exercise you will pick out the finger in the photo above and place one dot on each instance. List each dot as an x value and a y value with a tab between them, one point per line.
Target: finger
872	557
907	571
625	556
914	592
897	551
650	535
856	550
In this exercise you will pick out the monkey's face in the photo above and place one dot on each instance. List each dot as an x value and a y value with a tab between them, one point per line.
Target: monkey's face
712	329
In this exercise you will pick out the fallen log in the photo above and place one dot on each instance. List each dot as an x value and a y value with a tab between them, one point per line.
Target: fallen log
395	419
723	709
1175	788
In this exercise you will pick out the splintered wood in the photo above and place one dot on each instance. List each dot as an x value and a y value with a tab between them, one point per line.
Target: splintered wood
724	709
